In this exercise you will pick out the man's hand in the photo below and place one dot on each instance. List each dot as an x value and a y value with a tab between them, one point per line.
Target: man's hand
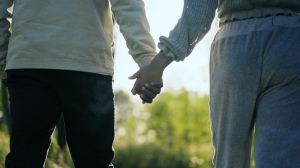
149	78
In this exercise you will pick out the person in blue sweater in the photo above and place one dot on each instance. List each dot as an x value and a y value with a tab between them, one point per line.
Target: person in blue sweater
254	77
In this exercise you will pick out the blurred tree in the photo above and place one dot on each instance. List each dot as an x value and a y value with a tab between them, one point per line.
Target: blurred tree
180	121
5	115
182	116
123	106
173	132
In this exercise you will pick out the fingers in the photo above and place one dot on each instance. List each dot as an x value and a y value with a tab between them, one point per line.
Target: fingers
135	75
136	85
145	99
133	90
152	88
157	84
150	91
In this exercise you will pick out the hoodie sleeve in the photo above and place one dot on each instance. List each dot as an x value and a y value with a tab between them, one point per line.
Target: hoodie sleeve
131	17
4	28
194	23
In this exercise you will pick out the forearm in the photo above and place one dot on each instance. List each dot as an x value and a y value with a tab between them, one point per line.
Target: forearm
4	29
194	23
131	17
161	61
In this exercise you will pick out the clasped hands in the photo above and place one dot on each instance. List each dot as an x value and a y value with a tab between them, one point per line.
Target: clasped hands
149	82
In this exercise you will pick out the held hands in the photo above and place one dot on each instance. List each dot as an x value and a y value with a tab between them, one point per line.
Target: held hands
149	82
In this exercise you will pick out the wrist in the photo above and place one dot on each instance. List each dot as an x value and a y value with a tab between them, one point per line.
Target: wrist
161	61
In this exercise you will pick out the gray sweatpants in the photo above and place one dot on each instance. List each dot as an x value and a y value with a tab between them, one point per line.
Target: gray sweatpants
255	80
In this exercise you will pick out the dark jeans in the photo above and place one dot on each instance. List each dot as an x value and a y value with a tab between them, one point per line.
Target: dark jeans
38	97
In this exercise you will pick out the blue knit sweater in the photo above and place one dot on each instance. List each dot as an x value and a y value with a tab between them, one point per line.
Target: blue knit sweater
198	15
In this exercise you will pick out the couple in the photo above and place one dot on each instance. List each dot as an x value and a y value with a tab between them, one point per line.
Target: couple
59	60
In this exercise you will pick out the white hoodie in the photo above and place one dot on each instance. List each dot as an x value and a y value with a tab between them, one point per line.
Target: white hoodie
72	34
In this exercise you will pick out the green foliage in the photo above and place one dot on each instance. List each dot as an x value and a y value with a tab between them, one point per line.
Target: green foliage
174	131
4	146
58	158
149	155
181	123
181	116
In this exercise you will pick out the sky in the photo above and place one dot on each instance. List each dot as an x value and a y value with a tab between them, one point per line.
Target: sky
191	74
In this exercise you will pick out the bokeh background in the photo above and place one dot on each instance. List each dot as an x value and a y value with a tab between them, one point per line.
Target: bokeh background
172	132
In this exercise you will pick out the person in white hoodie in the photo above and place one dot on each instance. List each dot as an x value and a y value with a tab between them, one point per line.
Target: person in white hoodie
59	60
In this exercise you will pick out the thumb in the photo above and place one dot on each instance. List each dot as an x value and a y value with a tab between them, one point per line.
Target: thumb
135	75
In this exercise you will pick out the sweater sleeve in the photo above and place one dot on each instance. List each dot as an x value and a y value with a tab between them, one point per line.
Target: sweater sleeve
194	23
4	29
131	17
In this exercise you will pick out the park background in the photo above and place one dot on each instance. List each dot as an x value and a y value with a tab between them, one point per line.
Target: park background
172	132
